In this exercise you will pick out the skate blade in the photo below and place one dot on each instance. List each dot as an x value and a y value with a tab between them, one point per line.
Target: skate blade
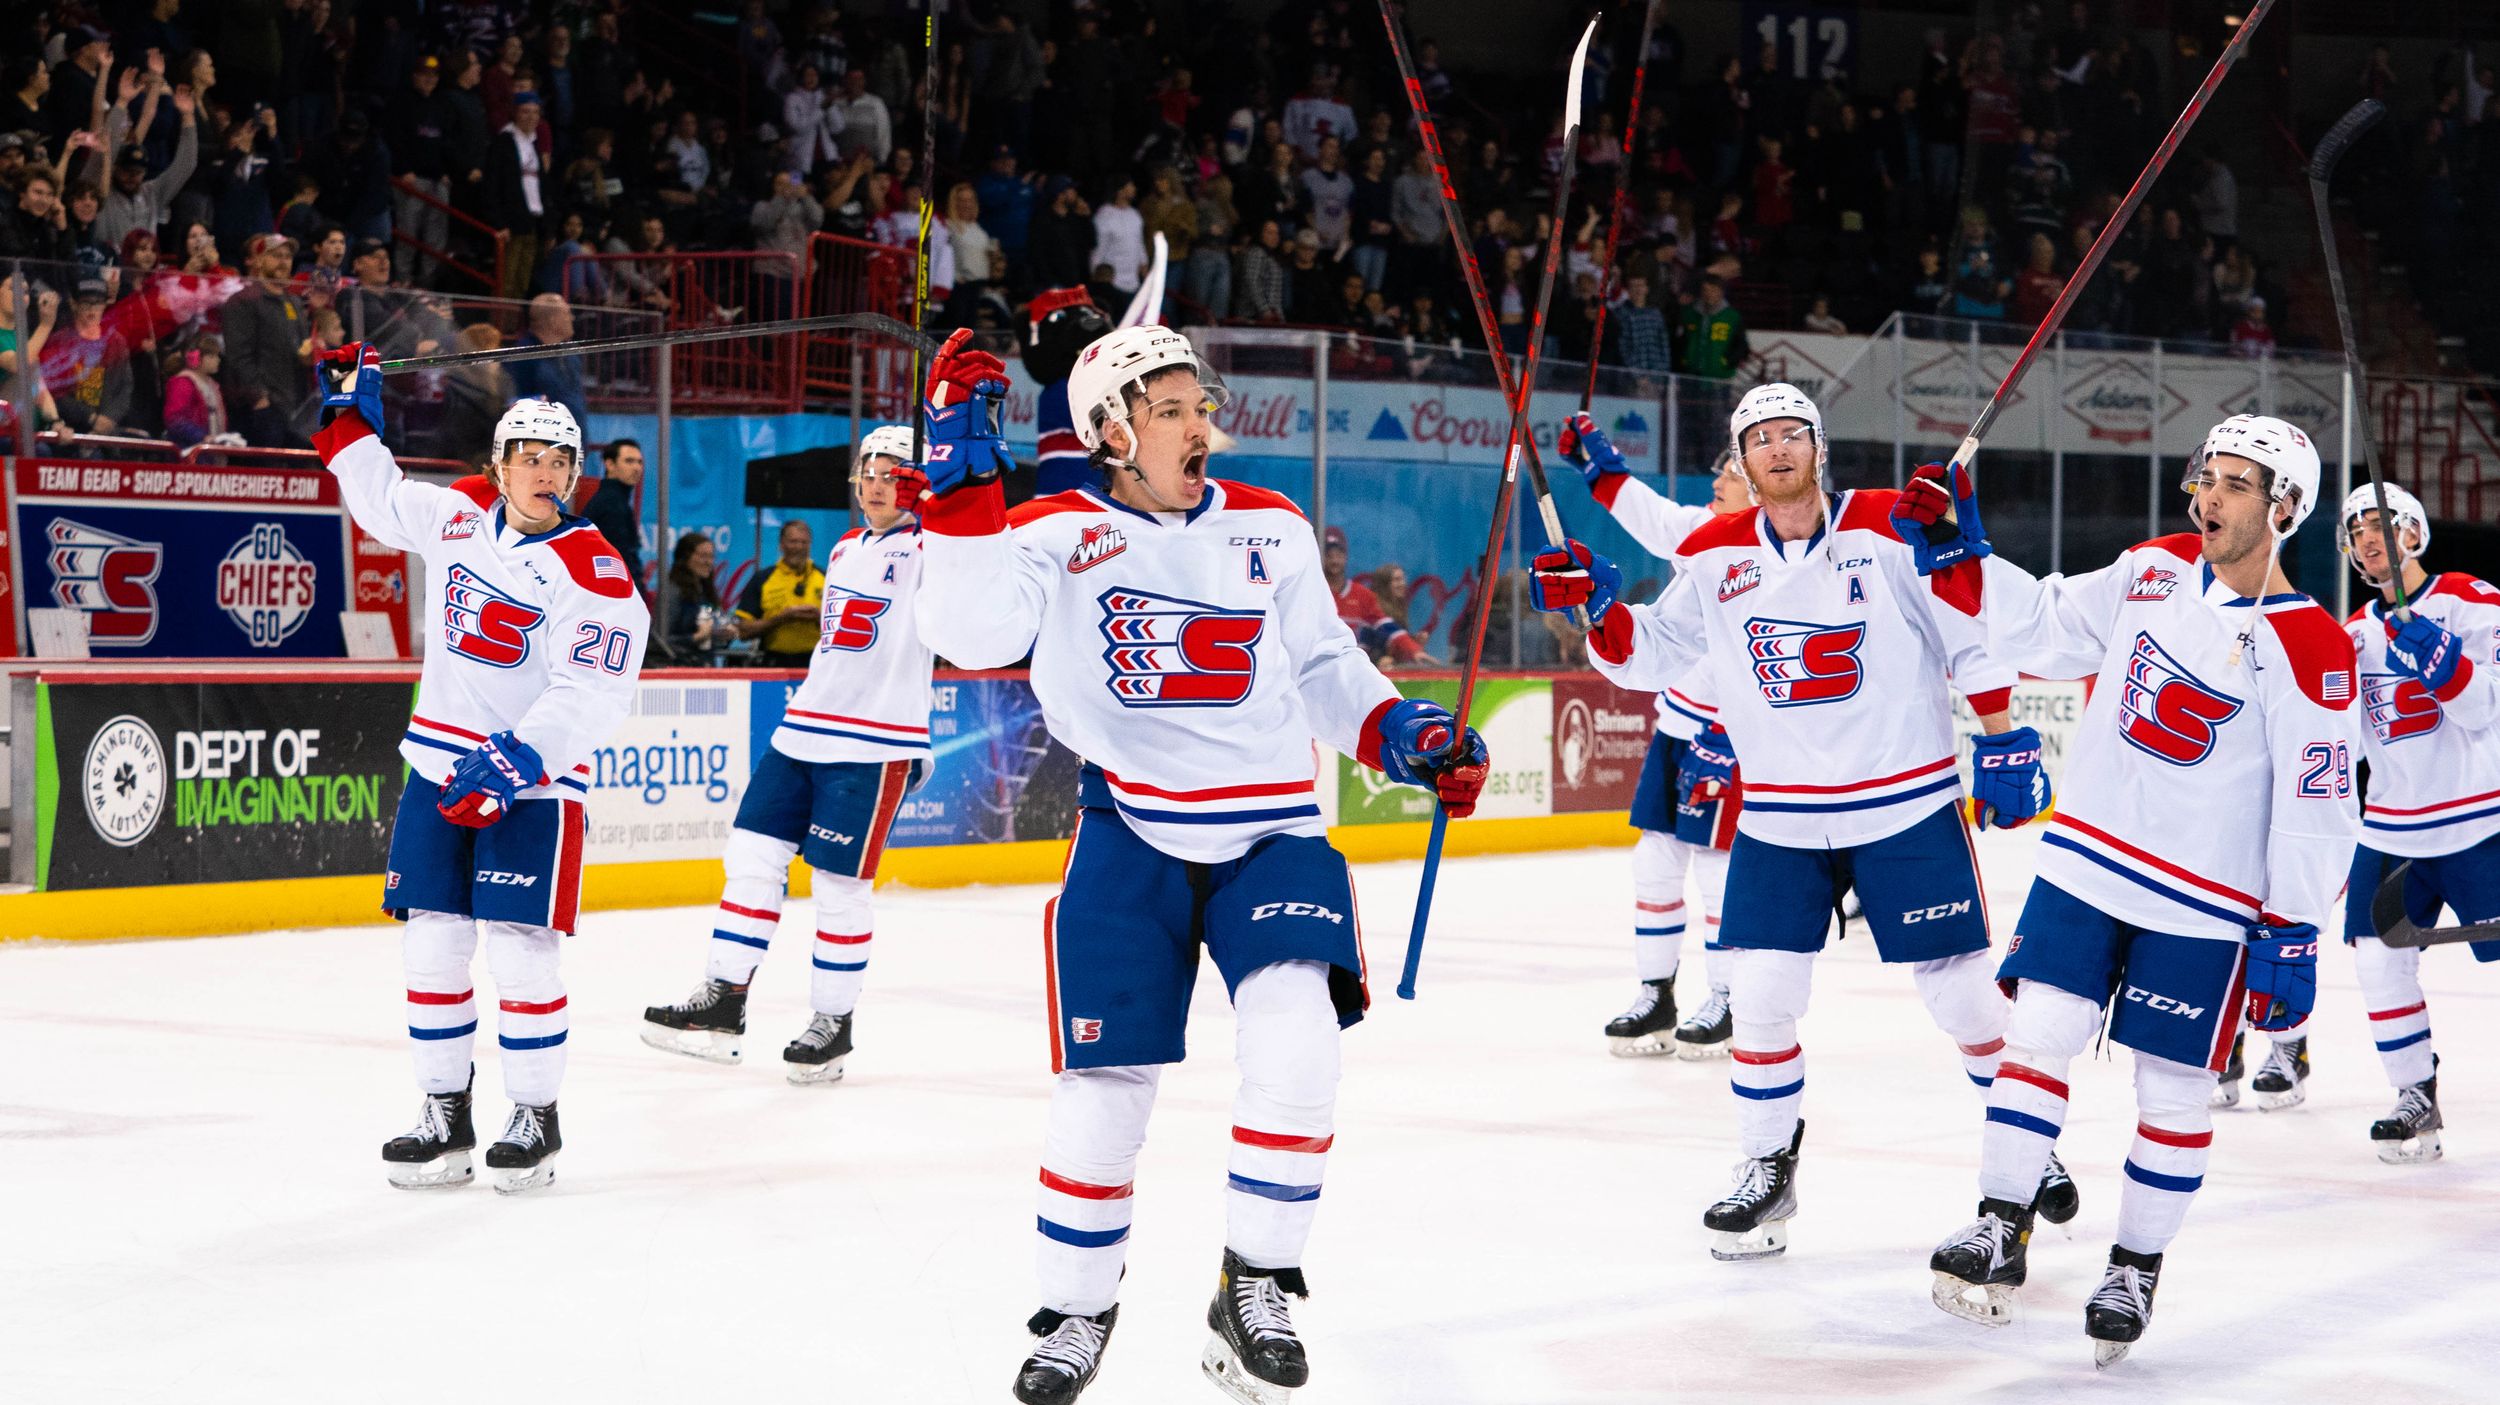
1638	1046
449	1171
2415	1151
2278	1102
708	1045
1993	1307
1694	1052
1225	1371
2108	1354
1767	1240
2228	1095
523	1180
817	1075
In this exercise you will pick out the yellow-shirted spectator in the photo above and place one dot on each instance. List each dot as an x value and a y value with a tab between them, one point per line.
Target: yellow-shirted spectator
784	603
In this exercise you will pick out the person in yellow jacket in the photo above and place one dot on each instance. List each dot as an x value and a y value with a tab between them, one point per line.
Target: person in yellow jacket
781	606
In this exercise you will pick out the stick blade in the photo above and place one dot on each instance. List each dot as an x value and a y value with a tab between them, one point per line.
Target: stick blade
2340	137
1579	74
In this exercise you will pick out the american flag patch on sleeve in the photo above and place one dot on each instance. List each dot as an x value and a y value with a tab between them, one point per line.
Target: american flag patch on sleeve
611	568
2335	687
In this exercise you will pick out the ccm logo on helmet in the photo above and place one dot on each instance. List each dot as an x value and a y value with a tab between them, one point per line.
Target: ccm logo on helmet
2167	711
1265	911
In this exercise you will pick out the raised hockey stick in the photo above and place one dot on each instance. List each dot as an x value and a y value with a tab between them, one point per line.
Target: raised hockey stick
873	322
1614	217
1516	444
920	256
2322	162
2396	927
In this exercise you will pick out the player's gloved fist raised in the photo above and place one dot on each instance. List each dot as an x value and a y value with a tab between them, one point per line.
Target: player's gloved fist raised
2282	975
965	386
1420	745
350	378
484	782
1708	767
2429	653
1587	446
1569	577
2007	785
909	484
1938	515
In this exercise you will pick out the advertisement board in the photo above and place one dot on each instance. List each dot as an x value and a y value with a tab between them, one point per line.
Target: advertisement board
667	783
1601	737
1516	718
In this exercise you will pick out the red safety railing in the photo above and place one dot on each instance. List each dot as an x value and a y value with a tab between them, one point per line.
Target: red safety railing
756	375
853	275
2441	438
490	277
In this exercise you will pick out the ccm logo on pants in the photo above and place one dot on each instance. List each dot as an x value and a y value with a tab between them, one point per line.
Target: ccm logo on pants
2164	1003
1931	914
507	880
1265	911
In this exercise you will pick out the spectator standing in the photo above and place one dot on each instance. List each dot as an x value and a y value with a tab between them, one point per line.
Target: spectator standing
1260	287
38	227
1271	192
195	405
611	509
977	260
810	121
1315	282
244	178
1316	113
1120	235
1328	195
355	175
1712	334
70	102
1641	331
866	125
136	202
697	625
469	135
419	132
2217	201
516	195
2251	336
1006	200
1167	210
474	398
1062	239
27	80
557	378
2037	286
1207	278
1374	226
782	222
781	607
268	345
86	366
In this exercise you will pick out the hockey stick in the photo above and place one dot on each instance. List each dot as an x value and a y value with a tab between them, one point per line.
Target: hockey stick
920	259
2396	927
1614	219
1515	444
872	322
2322	162
2117	224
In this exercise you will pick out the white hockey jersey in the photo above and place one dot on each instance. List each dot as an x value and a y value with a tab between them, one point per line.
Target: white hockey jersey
2200	795
2434	759
1191	657
1688	707
1829	662
866	694
540	636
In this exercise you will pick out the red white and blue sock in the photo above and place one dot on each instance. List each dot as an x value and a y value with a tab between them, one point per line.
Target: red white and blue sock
2174	1138
845	923
435	952
1088	1184
756	877
531	1021
2400	1018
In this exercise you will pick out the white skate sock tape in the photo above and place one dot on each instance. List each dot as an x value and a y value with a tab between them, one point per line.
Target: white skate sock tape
2026	1111
1657	938
1980	1061
442	1026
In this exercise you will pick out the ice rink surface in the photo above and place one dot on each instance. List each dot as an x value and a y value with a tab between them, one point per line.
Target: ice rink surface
196	1211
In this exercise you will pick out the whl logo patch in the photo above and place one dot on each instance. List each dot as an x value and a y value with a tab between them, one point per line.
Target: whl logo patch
111	578
2154	584
2399	706
1094	546
1799	665
1741	577
1165	652
2167	711
462	526
482	623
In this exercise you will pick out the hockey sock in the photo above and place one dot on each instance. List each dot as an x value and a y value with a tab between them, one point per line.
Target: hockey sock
757	876
844	923
2400	1020
2174	1138
1284	1116
2027	1101
1658	862
1766	997
1710	872
434	951
530	1020
1962	997
1089	1167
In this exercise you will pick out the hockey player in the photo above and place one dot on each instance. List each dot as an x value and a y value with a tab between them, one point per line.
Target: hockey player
534	637
853	738
1829	657
1686	825
1184	645
2430	698
2204	829
1061	323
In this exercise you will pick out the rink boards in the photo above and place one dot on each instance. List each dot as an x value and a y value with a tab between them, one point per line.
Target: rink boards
164	802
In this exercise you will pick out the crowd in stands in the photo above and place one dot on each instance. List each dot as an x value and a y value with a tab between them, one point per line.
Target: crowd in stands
2427	183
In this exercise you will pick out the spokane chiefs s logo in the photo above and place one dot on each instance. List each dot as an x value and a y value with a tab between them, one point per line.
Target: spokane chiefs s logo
112	579
482	623
1178	653
1799	665
2400	707
2168	711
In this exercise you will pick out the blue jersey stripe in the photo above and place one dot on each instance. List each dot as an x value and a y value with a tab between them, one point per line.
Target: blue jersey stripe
1270	1190
544	1041
1288	812
425	740
2443	821
1833	807
2389	1046
1764	1095
452	1032
2024	1121
2183	1184
759	943
894	743
1686	712
2061	841
1081	1238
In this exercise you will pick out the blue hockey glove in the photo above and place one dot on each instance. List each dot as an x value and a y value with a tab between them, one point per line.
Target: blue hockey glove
1569	576
1709	766
351	379
965	388
2007	785
1588	448
2421	648
1419	745
2282	975
1920	514
483	782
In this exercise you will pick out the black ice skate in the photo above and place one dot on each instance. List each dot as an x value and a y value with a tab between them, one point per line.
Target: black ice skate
1064	1361
2058	1200
2409	1136
1752	1222
526	1152
1254	1357
816	1055
1644	1030
706	1025
2227	1092
435	1155
1978	1269
2283	1079
2117	1315
1708	1032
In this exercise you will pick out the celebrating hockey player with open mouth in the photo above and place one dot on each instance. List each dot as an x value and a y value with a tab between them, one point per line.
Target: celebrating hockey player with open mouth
534	637
1185	645
1829	658
2205	826
2430	698
853	739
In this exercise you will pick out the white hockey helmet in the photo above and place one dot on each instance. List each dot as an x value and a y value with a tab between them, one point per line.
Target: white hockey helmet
2290	461
539	418
2403	507
886	441
1777	400
1106	370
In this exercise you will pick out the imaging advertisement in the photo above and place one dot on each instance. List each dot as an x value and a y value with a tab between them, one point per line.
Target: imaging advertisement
666	784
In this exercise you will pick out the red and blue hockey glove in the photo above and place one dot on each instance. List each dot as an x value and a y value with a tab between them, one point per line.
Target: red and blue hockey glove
965	388
2429	653
484	782
2007	786
350	378
1588	448
1940	523
909	484
1420	745
1708	767
2282	975
1570	576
